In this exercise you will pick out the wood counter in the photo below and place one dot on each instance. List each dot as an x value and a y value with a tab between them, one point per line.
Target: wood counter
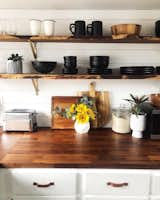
65	149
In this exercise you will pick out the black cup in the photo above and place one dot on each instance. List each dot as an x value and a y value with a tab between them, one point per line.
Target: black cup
100	62
95	29
157	28
78	29
70	62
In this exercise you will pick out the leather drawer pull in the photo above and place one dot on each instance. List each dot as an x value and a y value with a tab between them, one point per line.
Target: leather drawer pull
117	184
43	186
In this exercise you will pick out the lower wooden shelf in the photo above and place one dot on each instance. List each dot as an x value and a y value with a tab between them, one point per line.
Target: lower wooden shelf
114	75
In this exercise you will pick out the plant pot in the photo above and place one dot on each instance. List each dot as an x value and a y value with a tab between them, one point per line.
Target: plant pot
138	125
14	67
81	128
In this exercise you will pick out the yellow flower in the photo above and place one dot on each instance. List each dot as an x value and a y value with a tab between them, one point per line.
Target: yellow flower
72	108
91	114
82	118
81	108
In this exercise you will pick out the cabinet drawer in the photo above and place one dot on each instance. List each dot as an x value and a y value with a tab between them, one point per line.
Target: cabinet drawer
156	184
43	183
117	198
117	183
43	198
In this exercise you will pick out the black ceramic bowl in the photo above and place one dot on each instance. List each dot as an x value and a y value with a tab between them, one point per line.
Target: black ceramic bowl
43	66
99	61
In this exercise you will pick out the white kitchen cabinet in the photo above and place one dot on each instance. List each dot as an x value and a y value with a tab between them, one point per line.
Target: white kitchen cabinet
118	182
79	184
116	198
155	189
43	183
44	198
3	185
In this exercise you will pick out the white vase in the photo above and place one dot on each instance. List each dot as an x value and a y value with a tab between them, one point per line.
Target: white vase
138	125
14	67
48	26
35	27
82	128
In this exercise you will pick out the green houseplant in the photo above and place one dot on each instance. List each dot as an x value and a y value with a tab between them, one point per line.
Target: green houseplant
14	64
138	117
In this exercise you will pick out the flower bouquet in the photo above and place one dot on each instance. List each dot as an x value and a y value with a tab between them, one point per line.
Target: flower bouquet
82	113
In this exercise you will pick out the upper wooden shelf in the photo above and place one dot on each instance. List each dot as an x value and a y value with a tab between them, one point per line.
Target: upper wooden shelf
68	39
115	75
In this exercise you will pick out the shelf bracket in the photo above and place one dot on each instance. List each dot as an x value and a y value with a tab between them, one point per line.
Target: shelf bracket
33	46
35	85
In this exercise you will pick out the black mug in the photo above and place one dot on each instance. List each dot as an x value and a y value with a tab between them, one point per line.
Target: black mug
95	29
70	62
78	29
157	28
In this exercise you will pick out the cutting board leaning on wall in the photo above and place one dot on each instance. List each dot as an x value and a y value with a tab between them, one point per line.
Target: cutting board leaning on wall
102	104
59	122
102	107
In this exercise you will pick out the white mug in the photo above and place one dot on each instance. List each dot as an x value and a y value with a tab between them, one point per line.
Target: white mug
35	27
48	26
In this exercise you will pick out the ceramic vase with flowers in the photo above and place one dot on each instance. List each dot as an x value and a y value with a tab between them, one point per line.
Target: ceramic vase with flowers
138	117
82	113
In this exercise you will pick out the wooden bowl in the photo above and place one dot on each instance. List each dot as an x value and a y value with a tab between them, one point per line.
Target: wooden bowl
155	99
129	29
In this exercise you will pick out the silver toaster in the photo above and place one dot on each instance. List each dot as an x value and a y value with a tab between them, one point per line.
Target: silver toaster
20	120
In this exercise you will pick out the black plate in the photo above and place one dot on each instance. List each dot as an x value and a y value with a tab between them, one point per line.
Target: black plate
65	71
94	71
107	71
137	70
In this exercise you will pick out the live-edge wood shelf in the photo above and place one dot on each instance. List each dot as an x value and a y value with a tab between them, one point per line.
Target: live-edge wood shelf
114	75
36	77
69	39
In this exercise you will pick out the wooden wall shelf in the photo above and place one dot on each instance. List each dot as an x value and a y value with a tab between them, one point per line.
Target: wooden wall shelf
36	77
67	39
78	76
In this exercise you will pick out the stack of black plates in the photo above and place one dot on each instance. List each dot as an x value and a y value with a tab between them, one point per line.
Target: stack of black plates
158	69
137	70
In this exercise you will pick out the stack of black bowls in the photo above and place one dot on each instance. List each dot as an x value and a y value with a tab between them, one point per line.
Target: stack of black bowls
70	65
99	65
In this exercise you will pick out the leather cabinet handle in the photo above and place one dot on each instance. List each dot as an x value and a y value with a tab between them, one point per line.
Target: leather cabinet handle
117	184
43	185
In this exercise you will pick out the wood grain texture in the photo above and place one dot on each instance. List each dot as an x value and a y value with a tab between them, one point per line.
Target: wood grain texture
102	104
64	148
59	122
114	75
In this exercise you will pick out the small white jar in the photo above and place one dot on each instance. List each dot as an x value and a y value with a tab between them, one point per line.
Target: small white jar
35	26
49	27
121	120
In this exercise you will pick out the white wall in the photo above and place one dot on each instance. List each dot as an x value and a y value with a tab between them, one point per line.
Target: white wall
20	93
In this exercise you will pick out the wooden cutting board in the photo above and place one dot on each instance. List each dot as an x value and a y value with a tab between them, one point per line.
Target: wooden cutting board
59	122
102	104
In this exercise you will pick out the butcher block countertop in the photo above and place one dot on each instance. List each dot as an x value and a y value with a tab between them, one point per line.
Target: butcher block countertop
65	149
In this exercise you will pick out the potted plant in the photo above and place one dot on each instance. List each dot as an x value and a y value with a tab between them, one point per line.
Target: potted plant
138	117
14	64
82	113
